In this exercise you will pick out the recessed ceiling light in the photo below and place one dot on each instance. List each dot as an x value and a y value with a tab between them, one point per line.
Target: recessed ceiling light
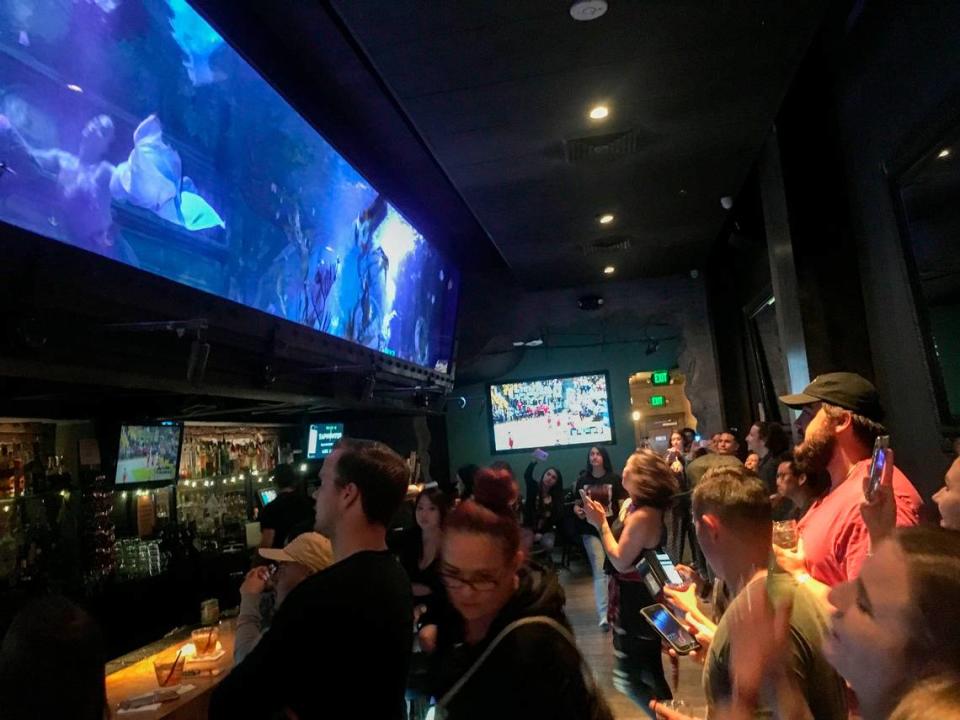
599	112
945	153
609	270
584	10
605	219
635	415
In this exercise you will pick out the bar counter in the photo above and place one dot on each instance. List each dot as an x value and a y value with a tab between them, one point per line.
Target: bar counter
134	675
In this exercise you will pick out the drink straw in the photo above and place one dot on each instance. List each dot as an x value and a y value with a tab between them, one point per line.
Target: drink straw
173	667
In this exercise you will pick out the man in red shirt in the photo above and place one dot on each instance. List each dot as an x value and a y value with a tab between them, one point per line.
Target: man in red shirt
842	413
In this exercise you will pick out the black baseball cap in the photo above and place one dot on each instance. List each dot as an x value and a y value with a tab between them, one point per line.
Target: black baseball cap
847	390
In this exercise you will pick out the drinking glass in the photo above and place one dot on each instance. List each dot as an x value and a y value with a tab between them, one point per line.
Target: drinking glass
785	534
205	640
170	670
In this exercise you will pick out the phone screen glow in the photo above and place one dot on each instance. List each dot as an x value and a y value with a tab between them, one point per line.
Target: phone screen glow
670	628
673	577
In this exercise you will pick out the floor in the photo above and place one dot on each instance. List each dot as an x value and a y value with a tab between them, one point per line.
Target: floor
597	648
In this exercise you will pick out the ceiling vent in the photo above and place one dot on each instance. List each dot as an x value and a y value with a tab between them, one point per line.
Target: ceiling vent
598	148
608	244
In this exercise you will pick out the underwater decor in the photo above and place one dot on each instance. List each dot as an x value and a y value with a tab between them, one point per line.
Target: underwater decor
134	131
197	40
85	183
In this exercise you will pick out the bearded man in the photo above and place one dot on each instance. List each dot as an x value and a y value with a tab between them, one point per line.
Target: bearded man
842	416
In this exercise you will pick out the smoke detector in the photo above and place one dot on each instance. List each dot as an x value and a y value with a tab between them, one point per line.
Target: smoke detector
584	10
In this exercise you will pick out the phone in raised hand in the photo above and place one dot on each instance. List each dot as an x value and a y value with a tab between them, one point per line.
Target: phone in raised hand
877	463
540	455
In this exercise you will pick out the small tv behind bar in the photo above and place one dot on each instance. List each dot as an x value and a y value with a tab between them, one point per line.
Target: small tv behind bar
149	453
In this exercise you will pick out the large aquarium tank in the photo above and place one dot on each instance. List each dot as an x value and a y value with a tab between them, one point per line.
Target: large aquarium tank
131	129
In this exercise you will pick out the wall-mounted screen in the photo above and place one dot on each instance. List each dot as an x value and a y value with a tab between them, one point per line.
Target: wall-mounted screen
133	130
149	453
550	412
321	439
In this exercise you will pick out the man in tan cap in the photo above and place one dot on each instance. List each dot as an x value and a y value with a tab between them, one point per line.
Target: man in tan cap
306	554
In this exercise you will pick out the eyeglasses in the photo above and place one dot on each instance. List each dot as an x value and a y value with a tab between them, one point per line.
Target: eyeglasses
455	582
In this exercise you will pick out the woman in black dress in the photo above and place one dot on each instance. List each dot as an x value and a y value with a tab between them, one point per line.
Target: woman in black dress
418	549
543	504
650	484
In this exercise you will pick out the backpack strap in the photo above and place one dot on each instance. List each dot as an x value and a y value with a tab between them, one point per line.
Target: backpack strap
589	680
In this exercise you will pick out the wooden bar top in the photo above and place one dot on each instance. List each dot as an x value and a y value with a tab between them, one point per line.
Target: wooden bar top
139	677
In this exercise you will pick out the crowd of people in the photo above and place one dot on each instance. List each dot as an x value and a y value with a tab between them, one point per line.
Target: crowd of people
464	609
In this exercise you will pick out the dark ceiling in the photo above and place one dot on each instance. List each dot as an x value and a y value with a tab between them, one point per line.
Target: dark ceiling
498	89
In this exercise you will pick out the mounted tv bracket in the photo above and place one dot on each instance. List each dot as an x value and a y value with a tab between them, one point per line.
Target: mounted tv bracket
199	347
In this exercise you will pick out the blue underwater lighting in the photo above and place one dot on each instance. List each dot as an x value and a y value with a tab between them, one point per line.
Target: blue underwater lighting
133	130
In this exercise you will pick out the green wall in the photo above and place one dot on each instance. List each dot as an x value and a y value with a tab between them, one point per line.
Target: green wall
468	429
670	312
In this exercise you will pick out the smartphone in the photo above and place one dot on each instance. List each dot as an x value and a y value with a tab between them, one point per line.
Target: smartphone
670	629
650	578
876	466
578	502
663	567
540	455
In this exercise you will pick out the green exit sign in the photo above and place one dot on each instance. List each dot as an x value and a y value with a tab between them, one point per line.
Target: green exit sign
657	401
660	377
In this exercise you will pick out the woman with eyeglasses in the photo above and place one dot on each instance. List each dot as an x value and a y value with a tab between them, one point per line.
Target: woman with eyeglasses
508	652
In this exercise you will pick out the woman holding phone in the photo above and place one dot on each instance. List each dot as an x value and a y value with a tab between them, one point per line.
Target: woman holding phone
650	485
544	502
602	484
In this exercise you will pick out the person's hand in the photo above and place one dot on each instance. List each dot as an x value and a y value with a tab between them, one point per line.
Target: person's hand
428	638
683	599
703	634
720	712
676	466
664	713
759	640
691	575
256	581
594	512
880	514
793	561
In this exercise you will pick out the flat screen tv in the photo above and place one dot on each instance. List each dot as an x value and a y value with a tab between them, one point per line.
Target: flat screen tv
149	453
321	439
560	411
135	131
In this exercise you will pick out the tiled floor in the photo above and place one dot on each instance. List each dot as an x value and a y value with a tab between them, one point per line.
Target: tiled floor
597	647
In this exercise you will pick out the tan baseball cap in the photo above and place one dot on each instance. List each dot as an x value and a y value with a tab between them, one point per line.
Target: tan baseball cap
310	549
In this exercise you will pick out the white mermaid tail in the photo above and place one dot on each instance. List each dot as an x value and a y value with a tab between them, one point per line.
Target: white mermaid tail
151	178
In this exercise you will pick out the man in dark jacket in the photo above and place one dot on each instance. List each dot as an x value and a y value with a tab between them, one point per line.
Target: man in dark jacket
340	644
